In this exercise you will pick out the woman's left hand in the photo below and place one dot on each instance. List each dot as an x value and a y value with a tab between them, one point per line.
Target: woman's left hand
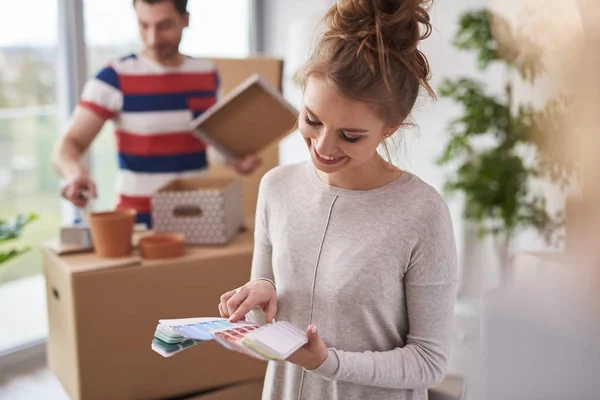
312	354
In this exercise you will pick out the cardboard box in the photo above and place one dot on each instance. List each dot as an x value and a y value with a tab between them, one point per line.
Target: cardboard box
247	120
251	390
103	313
234	71
207	210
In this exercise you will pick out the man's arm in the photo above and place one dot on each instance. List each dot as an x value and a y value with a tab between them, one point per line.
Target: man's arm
101	99
69	150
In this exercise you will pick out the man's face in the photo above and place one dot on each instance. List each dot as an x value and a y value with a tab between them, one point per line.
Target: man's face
161	27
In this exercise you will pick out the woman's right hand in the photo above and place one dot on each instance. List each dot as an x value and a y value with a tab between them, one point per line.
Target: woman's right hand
235	304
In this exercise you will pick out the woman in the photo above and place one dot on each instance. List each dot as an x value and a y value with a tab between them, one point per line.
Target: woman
356	249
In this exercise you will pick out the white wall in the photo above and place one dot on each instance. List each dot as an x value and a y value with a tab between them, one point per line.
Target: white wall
284	21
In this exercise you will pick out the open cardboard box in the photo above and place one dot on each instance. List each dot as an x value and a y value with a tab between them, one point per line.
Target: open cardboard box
233	72
247	120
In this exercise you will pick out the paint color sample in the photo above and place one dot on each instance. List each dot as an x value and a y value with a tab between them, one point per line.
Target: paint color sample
276	341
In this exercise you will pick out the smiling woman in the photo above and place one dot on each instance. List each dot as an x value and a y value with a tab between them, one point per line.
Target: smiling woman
356	250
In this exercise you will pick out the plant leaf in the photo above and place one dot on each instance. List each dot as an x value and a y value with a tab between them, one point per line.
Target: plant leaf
6	256
12	229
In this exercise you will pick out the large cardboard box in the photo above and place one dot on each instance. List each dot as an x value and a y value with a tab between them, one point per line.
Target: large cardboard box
234	71
103	313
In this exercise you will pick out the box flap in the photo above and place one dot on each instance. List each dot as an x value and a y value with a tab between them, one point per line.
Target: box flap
85	262
66	248
192	183
247	120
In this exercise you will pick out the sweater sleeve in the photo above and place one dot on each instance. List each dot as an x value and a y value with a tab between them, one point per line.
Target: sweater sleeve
430	285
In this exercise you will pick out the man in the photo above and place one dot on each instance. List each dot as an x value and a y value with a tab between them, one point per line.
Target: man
152	98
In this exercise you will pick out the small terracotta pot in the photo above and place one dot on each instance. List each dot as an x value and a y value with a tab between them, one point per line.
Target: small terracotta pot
162	245
112	232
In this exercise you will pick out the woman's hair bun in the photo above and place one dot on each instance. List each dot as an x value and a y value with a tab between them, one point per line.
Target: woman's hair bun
383	32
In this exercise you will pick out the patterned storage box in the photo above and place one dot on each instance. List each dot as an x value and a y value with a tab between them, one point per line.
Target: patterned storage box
207	210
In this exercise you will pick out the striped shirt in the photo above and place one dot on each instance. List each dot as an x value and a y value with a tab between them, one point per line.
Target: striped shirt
152	107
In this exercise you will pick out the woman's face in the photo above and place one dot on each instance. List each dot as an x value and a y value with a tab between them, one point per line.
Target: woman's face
341	134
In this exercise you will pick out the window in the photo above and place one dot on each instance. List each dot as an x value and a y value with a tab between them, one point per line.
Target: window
28	130
216	30
29	124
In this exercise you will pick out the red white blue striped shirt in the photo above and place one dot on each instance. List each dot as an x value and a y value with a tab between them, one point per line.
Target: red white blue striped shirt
152	107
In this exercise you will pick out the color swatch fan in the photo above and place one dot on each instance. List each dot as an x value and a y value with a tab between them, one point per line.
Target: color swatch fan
275	341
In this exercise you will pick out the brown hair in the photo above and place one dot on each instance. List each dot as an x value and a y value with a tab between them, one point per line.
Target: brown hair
369	53
180	5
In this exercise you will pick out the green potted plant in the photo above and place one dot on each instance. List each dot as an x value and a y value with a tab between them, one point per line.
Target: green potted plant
11	230
492	141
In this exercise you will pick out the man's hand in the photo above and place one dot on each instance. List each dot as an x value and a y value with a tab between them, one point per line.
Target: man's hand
246	165
79	189
68	151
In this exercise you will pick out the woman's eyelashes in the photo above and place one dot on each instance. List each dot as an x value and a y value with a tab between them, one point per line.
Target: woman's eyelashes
311	122
348	139
342	134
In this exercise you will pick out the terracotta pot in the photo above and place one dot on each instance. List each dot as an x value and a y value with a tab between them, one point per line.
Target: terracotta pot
162	245
112	232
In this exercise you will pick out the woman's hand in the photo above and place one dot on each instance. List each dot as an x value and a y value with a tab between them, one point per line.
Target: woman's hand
312	354
235	304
